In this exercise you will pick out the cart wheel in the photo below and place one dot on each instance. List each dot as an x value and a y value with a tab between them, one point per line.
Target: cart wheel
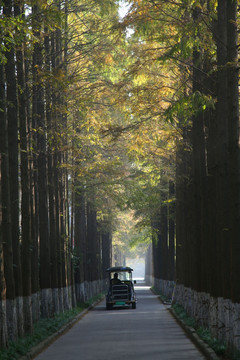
134	305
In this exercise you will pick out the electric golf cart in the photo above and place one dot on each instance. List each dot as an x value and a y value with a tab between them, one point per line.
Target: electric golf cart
121	289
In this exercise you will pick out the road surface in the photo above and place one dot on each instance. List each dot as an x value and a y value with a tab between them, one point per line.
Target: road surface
149	332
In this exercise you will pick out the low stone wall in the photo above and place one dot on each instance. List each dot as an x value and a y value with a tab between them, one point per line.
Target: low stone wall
220	315
45	303
164	286
87	290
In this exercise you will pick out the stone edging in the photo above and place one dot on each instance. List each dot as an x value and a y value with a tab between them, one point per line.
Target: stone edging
191	333
36	350
202	346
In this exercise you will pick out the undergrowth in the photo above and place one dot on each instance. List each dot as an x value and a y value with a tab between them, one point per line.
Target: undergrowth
204	333
42	329
216	345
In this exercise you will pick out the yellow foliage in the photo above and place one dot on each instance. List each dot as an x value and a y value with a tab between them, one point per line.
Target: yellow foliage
108	59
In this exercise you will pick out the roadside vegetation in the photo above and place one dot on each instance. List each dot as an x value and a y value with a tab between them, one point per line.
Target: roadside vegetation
219	348
43	329
204	334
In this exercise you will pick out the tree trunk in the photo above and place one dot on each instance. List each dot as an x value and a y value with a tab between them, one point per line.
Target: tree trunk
222	210
39	115
233	147
92	243
184	210
163	231
6	230
25	192
33	174
60	157
63	237
10	193
199	169
171	227
80	239
3	236
148	266
106	252
51	187
156	245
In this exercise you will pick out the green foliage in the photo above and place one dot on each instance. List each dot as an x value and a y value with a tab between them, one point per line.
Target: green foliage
188	106
107	7
131	240
216	345
180	311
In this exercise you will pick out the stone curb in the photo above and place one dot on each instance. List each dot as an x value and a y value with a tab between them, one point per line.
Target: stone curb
191	333
36	350
202	346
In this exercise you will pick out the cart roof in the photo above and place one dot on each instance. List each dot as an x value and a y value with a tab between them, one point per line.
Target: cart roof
119	268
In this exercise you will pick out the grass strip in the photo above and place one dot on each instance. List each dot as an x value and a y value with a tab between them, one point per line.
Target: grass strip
203	333
42	329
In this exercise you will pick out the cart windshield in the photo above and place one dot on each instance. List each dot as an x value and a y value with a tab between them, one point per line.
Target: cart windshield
122	275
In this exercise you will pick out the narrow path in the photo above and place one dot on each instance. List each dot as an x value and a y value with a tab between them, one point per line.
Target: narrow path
149	333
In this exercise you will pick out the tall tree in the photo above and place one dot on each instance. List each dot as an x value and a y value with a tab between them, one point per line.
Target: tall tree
39	120
3	236
198	160
25	188
233	142
10	189
223	214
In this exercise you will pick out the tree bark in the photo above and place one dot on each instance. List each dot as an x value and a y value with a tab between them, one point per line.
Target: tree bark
92	243
163	231
156	244
222	209
171	227
80	235
10	192
39	115
50	166
184	210
10	71
3	236
199	169
233	147
106	251
33	173
25	191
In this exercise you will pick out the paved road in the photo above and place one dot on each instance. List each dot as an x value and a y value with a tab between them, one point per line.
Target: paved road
148	333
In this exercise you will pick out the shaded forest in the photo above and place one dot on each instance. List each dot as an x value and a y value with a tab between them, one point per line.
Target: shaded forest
111	120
